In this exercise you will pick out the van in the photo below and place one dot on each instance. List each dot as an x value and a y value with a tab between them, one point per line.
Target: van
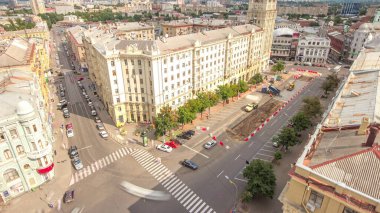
307	64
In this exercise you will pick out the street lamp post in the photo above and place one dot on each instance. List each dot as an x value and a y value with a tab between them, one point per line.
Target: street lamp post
236	192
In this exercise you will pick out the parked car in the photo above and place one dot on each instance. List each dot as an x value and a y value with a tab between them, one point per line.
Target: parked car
250	107
61	106
62	94
70	133
190	164
190	132
178	141
100	126
66	113
90	103
171	144
164	147
275	144
210	144
69	196
103	134
73	152
187	135
93	112
97	119
77	163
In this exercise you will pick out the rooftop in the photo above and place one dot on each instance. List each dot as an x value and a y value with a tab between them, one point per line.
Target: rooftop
77	33
15	87
14	52
283	32
106	41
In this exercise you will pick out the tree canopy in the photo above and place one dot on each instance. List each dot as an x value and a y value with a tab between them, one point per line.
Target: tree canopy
256	79
261	180
279	66
312	106
165	121
19	25
287	137
300	121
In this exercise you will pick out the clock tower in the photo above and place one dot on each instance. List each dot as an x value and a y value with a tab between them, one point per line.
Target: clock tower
262	13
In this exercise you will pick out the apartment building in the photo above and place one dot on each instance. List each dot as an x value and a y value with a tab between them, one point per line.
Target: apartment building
133	6
284	45
315	10
26	156
182	27
313	49
136	78
365	33
29	55
38	6
74	40
337	50
339	169
41	30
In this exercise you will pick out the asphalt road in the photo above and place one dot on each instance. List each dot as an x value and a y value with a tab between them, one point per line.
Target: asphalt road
100	191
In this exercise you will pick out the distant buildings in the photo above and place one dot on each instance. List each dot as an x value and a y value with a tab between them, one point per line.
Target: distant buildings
201	8
38	6
339	169
376	18
350	9
313	49
26	154
317	9
12	4
135	79
41	30
183	27
133	6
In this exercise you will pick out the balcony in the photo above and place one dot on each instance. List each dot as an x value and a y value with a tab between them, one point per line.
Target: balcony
38	154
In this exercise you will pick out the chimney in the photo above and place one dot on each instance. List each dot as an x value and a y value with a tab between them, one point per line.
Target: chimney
371	137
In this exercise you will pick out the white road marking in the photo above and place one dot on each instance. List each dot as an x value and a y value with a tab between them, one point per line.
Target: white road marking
85	148
237	157
201	207
190	199
241	180
219	174
205	209
274	122
263	154
190	204
262	133
182	186
195	151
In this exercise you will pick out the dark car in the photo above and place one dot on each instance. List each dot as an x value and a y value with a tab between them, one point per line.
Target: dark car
190	164
190	132
69	196
177	141
73	152
184	136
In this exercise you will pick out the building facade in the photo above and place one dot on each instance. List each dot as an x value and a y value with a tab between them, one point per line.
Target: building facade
133	6
339	168
319	9
74	40
365	33
285	42
313	49
337	50
263	14
26	156
38	6
136	78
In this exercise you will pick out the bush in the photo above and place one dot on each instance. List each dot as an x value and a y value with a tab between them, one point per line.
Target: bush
277	155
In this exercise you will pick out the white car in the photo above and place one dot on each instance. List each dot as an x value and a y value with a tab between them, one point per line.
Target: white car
210	144
94	113
70	133
103	134
164	147
100	126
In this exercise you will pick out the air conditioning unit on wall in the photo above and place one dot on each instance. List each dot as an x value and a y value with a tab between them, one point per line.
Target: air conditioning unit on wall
310	207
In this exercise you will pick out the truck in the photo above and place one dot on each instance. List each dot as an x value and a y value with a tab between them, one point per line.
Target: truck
250	107
274	90
291	85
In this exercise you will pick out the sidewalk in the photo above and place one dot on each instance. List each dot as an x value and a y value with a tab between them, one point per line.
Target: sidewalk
53	190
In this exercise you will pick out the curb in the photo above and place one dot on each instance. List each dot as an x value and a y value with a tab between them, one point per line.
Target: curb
277	111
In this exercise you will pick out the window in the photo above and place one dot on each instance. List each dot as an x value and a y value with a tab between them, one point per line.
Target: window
315	199
112	63
27	130
119	108
137	98
126	71
115	81
139	62
2	137
20	150
46	160
166	80
34	146
10	175
348	210
113	72
141	81
142	90
132	62
165	70
13	133
40	144
118	100
39	162
126	62
121	118
140	71
116	90
8	154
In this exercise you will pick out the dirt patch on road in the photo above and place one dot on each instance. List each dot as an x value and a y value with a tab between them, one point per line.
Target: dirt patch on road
254	119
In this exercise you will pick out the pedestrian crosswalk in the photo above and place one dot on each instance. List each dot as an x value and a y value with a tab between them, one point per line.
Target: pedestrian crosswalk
187	197
99	164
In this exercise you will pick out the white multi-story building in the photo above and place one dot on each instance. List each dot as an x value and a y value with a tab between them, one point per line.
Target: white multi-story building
136	78
365	33
313	49
26	159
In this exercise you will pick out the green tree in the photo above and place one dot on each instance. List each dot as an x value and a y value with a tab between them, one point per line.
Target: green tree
312	106
165	121
185	115
203	102
314	24
224	92
209	99
300	121
286	138
235	90
338	20
256	79
327	86
277	155
362	11
333	78
261	179
243	86
279	66
193	105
